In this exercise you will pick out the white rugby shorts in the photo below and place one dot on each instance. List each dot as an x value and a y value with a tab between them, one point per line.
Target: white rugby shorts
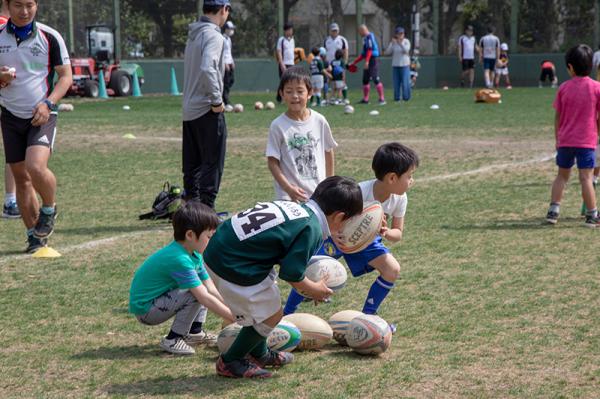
317	82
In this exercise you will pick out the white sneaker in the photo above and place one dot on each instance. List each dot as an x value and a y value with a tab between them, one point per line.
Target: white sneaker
176	346
346	101
202	338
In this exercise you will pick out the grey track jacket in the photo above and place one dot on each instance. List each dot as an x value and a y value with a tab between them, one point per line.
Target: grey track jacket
203	69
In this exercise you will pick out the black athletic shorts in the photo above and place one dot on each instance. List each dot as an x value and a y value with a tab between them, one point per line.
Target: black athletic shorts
468	64
372	73
19	134
547	73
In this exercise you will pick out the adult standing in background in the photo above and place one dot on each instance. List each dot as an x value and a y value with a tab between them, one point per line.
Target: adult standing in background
229	77
370	53
399	49
596	64
204	129
466	56
333	43
285	51
10	210
28	98
489	52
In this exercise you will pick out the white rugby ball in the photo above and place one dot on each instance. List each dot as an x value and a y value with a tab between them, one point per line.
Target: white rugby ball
369	335
65	107
348	109
270	105
258	106
359	231
320	267
229	108
339	324
315	331
238	108
227	336
126	107
374	113
435	107
285	337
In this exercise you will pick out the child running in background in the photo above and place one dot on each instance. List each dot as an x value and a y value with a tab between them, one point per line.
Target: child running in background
577	106
394	165
300	146
174	282
317	76
502	67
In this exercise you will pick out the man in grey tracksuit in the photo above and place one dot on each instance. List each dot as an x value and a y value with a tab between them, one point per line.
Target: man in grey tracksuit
204	130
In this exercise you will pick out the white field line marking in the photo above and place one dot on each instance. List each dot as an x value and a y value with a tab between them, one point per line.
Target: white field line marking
486	169
109	240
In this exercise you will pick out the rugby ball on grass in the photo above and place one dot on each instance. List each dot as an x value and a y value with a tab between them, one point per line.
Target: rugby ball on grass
238	108
348	109
270	105
359	231
320	267
315	331
369	335
285	337
339	324
258	106
229	108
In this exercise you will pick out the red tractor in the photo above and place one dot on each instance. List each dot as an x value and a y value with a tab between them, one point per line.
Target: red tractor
86	71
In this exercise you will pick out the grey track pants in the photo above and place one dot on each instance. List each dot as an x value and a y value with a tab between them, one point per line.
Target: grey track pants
181	304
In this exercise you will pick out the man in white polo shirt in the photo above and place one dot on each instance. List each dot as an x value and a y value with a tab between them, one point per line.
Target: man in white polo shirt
30	54
466	56
333	43
285	51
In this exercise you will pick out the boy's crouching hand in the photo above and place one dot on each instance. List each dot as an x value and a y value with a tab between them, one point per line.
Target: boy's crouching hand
314	290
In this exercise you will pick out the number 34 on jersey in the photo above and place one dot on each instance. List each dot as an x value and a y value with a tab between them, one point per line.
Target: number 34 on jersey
264	216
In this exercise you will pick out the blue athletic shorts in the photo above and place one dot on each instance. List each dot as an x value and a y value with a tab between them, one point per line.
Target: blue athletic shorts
586	157
358	263
489	63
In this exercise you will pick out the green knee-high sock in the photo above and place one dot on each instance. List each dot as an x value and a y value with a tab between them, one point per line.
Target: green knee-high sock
318	100
345	94
260	349
247	339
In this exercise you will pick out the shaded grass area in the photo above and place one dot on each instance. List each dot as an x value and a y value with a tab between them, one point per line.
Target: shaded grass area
491	303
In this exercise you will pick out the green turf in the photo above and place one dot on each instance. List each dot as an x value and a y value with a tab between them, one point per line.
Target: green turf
491	303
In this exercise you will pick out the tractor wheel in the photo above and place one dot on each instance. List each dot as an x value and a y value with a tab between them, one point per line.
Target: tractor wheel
120	82
90	88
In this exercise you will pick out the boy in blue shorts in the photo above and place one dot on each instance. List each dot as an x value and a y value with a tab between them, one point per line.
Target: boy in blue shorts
241	257
394	165
173	282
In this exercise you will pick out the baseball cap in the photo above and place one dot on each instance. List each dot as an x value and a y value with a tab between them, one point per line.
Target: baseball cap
334	26
229	25
399	29
504	47
322	51
217	3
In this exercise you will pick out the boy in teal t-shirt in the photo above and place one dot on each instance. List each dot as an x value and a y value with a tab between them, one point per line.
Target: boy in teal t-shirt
174	282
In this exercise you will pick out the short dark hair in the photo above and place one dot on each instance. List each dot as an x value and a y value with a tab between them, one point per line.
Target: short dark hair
195	216
395	158
339	53
490	29
580	58
212	9
295	74
287	26
339	194
315	51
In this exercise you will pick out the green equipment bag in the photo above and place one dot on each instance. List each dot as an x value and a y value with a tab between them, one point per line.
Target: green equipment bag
166	203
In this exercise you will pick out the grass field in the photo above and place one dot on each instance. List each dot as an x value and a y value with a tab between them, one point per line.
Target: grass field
491	302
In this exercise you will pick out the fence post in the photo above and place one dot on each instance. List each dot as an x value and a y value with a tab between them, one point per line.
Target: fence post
359	22
281	14
70	22
117	22
596	38
514	26
436	27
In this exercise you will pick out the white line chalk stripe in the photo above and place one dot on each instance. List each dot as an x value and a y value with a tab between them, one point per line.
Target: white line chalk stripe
110	240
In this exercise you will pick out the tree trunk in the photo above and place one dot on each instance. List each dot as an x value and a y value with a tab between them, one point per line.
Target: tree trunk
337	13
166	30
287	6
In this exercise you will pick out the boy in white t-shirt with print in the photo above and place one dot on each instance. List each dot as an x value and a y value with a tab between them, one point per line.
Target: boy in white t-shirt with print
300	146
394	165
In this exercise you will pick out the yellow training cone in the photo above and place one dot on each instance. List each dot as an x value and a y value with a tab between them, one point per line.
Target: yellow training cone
46	252
128	136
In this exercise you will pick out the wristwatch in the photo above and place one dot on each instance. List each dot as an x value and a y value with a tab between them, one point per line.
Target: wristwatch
50	104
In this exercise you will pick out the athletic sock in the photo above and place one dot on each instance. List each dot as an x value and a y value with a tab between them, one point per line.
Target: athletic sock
247	339
554	207
345	93
260	349
293	301
318	99
196	328
379	290
172	335
48	210
29	232
379	88
10	198
366	90
592	213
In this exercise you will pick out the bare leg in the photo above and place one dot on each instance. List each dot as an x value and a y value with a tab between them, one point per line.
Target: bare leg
9	181
587	188
42	178
26	197
471	73
558	187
